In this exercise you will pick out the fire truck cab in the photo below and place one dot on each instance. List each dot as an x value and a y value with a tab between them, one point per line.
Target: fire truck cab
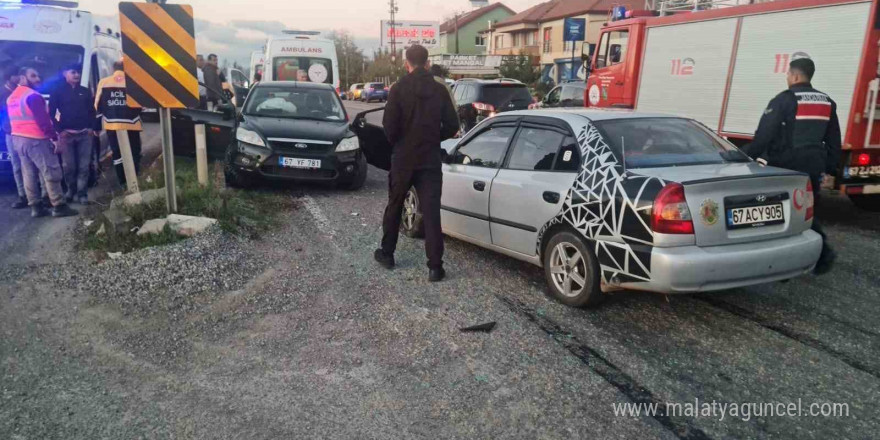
722	66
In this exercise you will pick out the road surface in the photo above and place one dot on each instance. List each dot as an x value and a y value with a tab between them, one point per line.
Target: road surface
309	338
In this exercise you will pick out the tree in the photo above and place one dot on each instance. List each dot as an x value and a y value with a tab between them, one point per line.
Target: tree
382	67
520	68
351	58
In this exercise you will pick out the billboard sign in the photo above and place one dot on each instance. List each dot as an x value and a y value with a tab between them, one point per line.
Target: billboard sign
408	33
575	29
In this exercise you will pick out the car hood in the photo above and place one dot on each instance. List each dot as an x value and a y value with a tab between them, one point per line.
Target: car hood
698	173
269	127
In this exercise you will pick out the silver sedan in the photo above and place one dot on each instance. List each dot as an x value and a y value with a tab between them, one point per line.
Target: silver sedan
606	200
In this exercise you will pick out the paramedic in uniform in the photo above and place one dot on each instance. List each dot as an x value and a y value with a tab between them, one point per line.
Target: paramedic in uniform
33	134
800	131
113	109
418	116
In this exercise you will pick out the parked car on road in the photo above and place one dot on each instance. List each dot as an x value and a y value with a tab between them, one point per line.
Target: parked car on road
567	94
374	92
477	100
620	200
354	92
295	131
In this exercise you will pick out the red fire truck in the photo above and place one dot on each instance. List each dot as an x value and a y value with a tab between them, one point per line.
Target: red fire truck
722	66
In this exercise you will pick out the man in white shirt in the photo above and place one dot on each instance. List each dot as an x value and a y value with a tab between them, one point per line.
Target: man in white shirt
203	91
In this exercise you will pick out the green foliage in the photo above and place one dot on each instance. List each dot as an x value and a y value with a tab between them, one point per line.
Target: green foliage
383	67
522	69
351	58
241	212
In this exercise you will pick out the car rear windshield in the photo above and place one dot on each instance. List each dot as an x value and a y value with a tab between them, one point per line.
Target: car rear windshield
660	142
500	95
377	85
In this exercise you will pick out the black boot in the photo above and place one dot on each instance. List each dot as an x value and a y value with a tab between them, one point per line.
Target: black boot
386	261
21	203
64	211
39	211
435	275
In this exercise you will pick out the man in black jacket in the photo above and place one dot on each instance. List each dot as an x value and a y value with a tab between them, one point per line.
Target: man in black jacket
800	131
75	104
418	116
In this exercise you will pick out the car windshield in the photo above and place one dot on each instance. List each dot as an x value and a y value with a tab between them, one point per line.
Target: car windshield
502	94
295	103
48	58
661	142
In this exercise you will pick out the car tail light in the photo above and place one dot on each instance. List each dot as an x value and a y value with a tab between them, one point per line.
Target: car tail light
863	159
484	107
809	205
670	214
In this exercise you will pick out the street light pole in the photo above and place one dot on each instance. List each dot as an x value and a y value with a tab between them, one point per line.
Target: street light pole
393	10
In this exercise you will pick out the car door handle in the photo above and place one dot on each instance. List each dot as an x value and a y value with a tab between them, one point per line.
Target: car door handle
479	185
551	197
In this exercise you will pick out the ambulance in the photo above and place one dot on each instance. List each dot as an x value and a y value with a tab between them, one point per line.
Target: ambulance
49	36
301	56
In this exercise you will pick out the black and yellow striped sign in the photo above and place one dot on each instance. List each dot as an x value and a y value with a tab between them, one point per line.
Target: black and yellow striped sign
158	42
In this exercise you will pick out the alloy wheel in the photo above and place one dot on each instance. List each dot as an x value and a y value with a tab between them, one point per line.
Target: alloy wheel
568	269
410	209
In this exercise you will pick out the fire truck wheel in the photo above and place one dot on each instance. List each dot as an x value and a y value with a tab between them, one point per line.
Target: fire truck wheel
866	202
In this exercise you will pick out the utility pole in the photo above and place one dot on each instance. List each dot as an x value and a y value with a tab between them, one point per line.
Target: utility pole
393	10
456	33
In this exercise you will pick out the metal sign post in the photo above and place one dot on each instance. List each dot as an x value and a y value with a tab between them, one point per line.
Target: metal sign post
158	42
168	159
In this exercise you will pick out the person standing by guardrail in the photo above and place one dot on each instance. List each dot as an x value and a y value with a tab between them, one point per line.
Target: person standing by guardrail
32	135
75	128
111	103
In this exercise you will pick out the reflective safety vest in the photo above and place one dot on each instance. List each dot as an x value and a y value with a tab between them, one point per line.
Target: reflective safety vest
21	118
112	104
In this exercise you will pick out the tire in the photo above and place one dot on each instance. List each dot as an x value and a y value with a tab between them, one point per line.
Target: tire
579	268
411	222
235	179
869	202
361	177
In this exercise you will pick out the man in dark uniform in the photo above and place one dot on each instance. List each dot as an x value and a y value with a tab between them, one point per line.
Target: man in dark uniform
418	116
800	131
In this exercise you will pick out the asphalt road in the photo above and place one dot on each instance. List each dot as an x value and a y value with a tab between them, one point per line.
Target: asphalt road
316	341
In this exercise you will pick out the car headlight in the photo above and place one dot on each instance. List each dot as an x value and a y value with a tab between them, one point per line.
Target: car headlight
249	137
348	144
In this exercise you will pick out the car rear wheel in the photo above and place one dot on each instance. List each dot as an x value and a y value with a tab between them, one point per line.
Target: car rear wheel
411	221
866	202
572	271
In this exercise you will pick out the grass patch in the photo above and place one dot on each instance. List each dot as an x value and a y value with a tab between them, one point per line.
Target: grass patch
241	212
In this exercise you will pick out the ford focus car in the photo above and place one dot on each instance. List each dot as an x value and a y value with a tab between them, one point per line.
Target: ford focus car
294	131
606	200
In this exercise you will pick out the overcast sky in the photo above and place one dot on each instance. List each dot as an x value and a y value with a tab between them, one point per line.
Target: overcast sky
234	28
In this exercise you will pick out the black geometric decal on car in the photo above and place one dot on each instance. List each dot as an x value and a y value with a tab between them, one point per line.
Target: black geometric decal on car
611	210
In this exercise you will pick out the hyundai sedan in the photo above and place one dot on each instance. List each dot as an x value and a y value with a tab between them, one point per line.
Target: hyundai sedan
606	200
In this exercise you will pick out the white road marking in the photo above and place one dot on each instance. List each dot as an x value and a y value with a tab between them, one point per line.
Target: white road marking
316	212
